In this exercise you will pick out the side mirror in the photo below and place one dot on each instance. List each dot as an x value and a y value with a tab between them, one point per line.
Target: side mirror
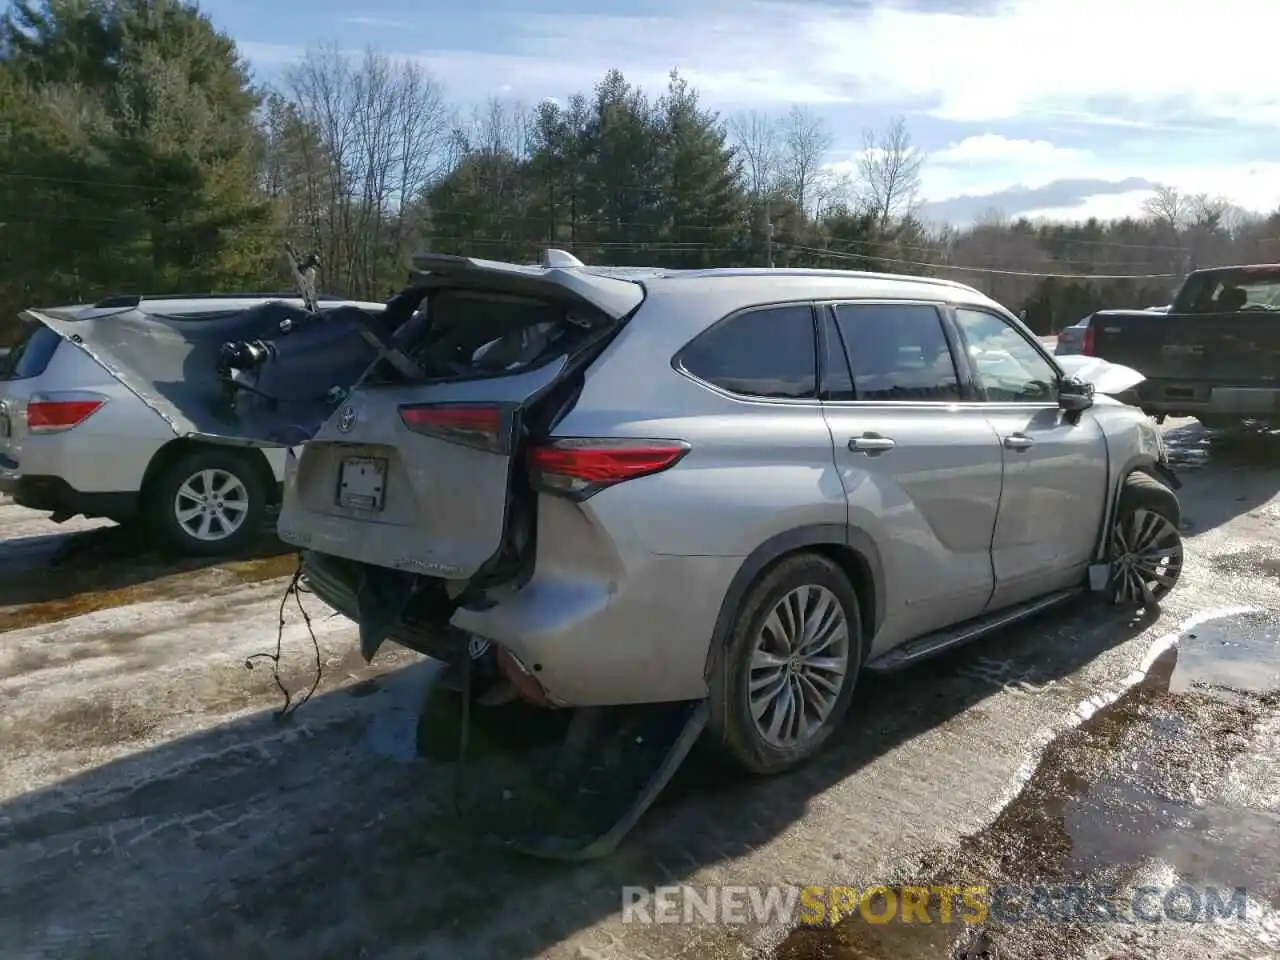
1074	395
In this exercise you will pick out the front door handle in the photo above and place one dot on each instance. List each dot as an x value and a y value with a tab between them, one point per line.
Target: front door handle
1018	441
872	444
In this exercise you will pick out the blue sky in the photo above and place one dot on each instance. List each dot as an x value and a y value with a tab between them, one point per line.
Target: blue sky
1064	108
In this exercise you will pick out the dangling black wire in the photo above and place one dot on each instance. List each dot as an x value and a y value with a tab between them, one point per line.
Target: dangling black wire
289	708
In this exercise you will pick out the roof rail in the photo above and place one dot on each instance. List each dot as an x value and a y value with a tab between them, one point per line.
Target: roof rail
554	257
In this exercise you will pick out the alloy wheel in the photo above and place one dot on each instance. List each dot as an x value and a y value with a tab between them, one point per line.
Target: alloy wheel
211	505
799	666
1146	557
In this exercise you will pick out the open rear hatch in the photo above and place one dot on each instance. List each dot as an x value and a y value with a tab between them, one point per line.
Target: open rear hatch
173	364
419	470
412	419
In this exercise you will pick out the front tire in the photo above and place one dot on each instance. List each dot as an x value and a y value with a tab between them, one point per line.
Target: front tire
208	503
1146	545
783	683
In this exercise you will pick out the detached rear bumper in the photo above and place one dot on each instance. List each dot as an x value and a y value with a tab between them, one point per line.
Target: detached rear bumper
54	495
336	582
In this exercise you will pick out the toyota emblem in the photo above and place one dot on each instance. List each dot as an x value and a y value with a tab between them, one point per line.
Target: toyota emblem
347	419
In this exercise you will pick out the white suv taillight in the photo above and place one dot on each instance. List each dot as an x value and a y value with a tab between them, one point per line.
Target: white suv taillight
55	412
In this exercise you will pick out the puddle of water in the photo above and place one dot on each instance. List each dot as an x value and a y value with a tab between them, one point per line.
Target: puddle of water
110	569
51	611
1138	781
1157	806
264	568
1193	446
1238	655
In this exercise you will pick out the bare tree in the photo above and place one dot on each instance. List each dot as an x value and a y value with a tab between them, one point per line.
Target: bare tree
1168	207
1209	212
756	136
420	121
805	141
377	139
832	191
889	172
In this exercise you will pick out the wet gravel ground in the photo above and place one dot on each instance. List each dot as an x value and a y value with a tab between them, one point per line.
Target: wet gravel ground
150	804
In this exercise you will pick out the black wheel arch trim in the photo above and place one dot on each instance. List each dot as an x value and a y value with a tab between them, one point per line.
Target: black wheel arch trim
1140	464
791	541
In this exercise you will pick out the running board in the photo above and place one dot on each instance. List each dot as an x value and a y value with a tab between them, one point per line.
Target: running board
932	644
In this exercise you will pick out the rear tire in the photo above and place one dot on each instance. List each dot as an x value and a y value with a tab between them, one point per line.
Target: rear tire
1145	542
208	502
785	679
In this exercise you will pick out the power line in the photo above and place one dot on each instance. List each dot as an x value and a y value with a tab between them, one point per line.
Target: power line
817	251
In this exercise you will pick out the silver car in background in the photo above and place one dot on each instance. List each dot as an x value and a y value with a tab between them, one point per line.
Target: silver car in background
75	440
1071	339
743	486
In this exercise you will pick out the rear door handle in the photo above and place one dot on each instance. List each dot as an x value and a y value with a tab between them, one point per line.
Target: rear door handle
872	444
1018	441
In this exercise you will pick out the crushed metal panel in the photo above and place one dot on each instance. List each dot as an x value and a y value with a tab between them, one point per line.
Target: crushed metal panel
611	295
172	366
1106	377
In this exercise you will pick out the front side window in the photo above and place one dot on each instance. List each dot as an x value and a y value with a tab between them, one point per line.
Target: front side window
897	351
769	353
1010	369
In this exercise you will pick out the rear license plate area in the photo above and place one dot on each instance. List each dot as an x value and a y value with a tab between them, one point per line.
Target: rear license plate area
362	483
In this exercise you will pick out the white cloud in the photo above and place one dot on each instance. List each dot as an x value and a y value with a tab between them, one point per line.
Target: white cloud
988	162
1253	186
991	148
1047	56
1040	63
1106	206
1067	59
373	22
1061	59
268	54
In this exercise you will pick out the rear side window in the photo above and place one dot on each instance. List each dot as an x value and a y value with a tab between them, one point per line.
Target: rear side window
31	355
770	352
897	351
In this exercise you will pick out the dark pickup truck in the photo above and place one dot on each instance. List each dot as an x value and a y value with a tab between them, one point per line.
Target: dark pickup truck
1215	355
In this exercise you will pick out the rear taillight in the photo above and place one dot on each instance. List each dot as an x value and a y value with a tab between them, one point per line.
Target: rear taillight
52	412
1086	344
580	467
483	426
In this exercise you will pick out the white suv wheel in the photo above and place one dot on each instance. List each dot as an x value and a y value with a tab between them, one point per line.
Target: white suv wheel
211	505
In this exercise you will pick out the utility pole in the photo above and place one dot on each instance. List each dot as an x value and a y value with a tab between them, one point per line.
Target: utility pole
768	236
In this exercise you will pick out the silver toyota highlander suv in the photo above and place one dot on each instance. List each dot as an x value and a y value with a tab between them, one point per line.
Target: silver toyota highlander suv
742	485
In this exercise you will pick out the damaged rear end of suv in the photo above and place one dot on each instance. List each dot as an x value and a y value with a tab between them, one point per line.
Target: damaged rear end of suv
481	472
418	496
